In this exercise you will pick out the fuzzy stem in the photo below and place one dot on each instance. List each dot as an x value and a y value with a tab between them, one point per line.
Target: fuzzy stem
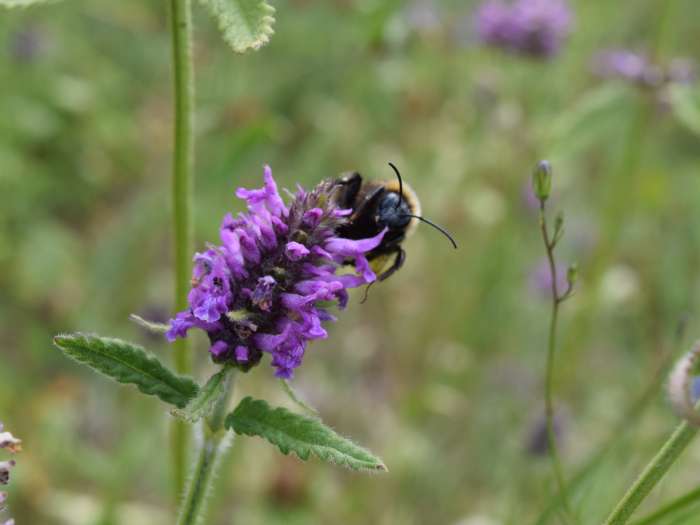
215	441
652	474
182	189
549	372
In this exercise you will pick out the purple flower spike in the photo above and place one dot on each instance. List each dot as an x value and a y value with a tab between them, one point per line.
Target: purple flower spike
536	28
267	286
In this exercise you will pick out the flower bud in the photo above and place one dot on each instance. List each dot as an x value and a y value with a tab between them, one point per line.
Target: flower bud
572	274
542	180
558	223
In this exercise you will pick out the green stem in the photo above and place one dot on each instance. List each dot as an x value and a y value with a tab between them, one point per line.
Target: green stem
215	441
677	504
549	372
623	427
653	473
595	459
183	162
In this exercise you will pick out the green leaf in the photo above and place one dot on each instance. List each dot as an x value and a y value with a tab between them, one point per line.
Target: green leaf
23	3
245	24
685	103
299	434
594	118
203	403
151	326
130	364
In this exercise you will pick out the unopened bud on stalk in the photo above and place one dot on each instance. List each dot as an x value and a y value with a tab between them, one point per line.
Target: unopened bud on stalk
542	180
558	223
572	275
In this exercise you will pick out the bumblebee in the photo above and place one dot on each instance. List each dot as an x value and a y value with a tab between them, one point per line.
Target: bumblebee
377	205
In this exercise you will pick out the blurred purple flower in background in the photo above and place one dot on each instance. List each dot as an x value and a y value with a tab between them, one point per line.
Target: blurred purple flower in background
536	28
267	287
27	44
695	389
638	68
540	279
537	442
627	65
682	71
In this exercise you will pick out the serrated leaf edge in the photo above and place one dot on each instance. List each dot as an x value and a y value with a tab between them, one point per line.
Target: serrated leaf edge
262	37
304	450
148	355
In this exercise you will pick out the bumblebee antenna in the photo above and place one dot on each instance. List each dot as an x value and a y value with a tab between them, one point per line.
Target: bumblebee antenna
398	176
438	228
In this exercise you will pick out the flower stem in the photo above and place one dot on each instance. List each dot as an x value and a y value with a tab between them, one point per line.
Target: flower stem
652	474
215	441
677	504
183	161
622	428
549	371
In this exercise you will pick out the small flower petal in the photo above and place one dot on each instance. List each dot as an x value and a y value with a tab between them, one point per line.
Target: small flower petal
353	247
296	251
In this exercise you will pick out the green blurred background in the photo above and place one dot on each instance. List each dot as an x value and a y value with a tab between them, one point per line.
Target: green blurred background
440	371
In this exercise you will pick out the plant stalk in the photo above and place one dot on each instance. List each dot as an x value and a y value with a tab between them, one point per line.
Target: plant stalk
182	190
652	474
549	372
671	508
215	441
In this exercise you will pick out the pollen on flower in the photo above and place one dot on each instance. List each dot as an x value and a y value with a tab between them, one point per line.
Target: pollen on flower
267	286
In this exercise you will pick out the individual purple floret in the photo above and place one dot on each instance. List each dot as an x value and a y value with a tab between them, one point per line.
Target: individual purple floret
536	28
267	287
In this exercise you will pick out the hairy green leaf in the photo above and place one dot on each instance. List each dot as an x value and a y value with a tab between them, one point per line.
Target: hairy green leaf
203	403
299	434
130	364
23	3
245	24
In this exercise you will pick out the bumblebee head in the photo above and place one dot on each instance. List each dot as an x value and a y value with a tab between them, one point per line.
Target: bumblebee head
398	208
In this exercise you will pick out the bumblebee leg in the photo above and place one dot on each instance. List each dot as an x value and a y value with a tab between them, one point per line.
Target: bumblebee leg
370	201
350	188
399	259
361	224
398	263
